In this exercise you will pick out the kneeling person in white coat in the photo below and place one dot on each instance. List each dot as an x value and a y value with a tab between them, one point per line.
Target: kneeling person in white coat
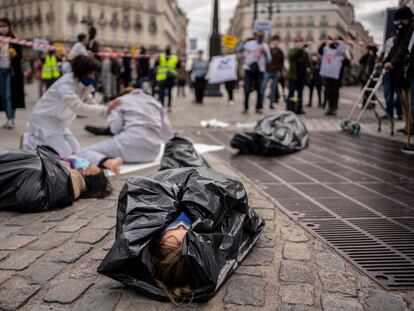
140	127
68	97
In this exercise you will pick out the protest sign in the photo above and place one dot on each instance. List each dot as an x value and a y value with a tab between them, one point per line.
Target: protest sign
222	69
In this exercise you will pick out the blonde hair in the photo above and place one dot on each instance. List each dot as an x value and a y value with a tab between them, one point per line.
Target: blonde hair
173	273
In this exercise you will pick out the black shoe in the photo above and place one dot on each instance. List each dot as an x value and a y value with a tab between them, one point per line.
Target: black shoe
309	105
99	131
329	113
401	131
272	107
400	118
259	111
245	111
300	112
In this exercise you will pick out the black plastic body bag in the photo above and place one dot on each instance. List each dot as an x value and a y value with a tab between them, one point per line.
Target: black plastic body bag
275	134
179	152
33	181
224	229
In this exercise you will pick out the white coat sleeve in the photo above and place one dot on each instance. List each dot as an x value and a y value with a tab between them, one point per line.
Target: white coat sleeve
166	131
88	109
116	120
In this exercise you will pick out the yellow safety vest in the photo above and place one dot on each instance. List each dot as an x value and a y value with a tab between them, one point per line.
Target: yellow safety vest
50	69
166	67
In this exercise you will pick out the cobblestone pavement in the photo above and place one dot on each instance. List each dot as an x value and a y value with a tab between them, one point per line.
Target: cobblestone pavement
48	261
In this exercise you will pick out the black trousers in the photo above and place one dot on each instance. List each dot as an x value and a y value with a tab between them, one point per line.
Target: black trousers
253	82
319	90
332	87
230	89
200	88
165	87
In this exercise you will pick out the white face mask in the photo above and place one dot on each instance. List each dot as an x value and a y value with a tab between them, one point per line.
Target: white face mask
4	30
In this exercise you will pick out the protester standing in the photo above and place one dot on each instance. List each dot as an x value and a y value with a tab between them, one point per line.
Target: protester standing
80	47
199	71
50	69
182	78
392	97
316	80
166	67
367	63
126	70
335	57
257	55
106	75
93	44
143	68
300	68
410	77
11	75
395	61
273	71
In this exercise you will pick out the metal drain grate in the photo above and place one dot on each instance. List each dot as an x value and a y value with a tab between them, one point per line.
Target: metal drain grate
359	202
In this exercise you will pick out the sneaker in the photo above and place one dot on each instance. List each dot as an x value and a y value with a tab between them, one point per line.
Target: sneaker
231	103
169	109
9	125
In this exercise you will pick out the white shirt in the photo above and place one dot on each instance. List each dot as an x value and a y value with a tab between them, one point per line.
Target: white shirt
254	54
332	61
60	105
5	61
78	49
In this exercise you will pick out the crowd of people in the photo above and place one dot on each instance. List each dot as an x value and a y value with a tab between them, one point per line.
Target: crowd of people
265	67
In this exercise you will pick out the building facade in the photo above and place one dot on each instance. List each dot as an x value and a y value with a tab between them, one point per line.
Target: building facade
312	20
120	23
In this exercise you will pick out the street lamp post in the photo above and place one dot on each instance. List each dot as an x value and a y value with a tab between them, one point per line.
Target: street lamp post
255	10
215	48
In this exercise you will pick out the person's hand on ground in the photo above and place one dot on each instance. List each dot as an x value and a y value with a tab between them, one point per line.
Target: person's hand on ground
114	165
113	105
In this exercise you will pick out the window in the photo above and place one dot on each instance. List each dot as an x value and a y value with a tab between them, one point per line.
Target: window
324	21
299	21
323	35
311	22
288	37
288	21
309	36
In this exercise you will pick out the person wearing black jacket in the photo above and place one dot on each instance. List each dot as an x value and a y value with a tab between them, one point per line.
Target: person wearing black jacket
410	77
395	61
367	62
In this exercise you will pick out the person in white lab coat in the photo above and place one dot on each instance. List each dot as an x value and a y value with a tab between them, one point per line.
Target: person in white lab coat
140	127
55	111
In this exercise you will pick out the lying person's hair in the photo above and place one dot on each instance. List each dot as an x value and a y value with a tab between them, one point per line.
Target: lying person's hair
83	65
97	186
173	272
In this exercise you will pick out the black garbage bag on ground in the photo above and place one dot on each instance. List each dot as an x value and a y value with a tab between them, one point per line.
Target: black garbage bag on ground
180	152
33	181
275	134
224	229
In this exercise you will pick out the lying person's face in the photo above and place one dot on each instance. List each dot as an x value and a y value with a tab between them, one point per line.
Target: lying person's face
174	236
91	170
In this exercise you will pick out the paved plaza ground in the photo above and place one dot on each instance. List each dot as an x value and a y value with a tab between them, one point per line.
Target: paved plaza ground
48	261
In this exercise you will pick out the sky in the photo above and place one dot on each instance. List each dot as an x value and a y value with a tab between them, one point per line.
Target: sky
369	12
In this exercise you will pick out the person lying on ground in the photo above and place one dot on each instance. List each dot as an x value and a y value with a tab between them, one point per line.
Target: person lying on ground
40	181
181	233
67	98
140	128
